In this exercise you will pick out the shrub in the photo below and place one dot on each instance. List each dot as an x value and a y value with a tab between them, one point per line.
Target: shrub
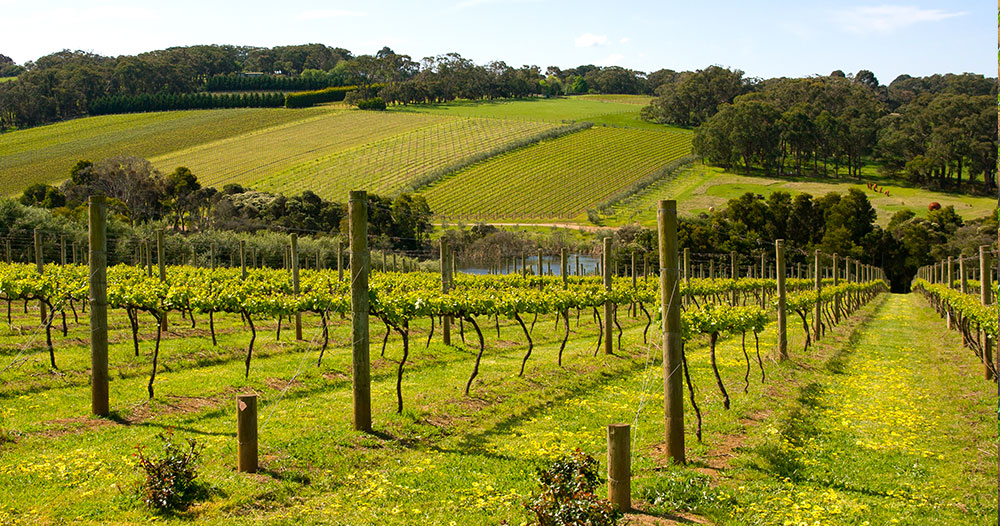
679	491
567	494
375	104
170	480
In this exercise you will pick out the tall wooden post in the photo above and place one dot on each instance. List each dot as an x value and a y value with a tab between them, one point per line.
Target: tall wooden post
98	298
246	432
779	250
963	279
243	259
686	270
294	246
445	285
818	316
211	256
836	297
951	275
609	311
673	373
563	269
985	291
361	367
577	257
40	266
162	268
541	271
62	250
620	466
340	259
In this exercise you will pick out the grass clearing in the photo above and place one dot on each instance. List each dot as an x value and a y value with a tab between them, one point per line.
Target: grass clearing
700	187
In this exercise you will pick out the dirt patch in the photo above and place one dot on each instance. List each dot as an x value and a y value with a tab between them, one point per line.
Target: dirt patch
280	384
641	518
82	424
335	376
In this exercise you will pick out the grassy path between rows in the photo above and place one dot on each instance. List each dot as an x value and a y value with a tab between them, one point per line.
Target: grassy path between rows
898	427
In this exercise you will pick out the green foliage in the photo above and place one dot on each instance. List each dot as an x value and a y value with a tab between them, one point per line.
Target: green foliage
169	483
567	494
304	99
375	104
43	195
675	491
145	102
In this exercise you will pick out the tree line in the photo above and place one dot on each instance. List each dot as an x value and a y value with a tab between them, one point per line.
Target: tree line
139	195
144	102
930	130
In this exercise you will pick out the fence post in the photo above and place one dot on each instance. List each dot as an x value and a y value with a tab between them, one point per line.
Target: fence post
39	264
361	368
608	306
673	374
985	291
562	267
620	466
779	249
243	259
246	432
294	246
62	250
445	285
818	316
340	259
98	297
162	268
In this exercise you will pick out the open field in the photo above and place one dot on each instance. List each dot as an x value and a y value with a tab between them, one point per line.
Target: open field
700	187
556	179
45	154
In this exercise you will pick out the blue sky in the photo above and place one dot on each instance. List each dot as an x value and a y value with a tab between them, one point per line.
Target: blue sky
763	38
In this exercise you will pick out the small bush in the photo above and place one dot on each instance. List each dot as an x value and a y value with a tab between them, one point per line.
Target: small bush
170	480
567	494
376	104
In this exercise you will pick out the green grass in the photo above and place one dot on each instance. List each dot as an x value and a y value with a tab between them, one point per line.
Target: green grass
557	179
46	153
701	187
446	458
897	428
8	79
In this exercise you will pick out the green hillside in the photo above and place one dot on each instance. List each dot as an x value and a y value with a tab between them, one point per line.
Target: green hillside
46	153
557	179
701	187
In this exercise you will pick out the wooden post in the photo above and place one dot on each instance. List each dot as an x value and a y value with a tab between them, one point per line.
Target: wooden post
985	291
963	280
40	266
578	258
836	297
951	275
541	272
609	311
361	367
620	466
673	373
686	269
340	259
294	247
445	285
98	298
562	267
243	258
246	432
162	268
779	250
818	316
211	255
62	250
73	251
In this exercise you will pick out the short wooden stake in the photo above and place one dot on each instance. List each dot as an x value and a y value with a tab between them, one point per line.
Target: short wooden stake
620	466
246	432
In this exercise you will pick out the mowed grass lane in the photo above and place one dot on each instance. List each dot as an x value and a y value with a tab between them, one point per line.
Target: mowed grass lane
46	153
557	179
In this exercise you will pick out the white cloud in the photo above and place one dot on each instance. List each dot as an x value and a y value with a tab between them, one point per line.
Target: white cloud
476	3
888	18
590	39
624	40
319	14
613	59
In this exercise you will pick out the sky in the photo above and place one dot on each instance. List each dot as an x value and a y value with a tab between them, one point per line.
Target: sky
764	38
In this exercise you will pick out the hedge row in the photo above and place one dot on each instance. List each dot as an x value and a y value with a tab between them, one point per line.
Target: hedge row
183	101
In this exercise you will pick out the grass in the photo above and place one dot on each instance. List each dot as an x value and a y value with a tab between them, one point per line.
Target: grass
701	187
8	79
46	153
557	179
447	458
898	428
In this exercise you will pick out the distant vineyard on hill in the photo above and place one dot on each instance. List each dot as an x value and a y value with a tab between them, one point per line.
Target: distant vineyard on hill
557	179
